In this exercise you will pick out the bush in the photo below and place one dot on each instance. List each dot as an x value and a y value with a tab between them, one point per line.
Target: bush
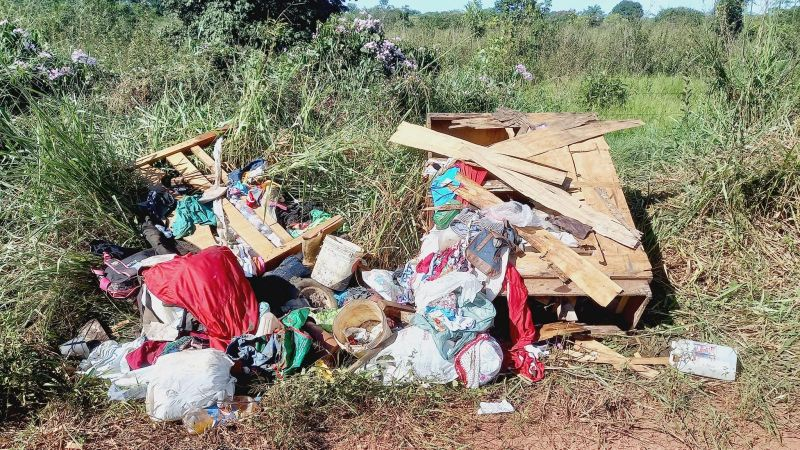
730	15
601	91
252	21
681	15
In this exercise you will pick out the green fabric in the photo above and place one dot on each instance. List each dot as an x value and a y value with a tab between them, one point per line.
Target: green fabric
296	344
442	219
451	342
324	318
317	217
189	213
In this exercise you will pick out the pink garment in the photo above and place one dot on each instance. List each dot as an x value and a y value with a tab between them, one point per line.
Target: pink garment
146	355
523	330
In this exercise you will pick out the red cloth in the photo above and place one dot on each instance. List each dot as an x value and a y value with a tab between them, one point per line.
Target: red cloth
474	173
146	355
523	331
212	286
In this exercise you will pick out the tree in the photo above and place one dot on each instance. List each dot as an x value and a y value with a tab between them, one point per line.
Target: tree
475	17
384	4
680	15
629	9
517	9
594	14
730	14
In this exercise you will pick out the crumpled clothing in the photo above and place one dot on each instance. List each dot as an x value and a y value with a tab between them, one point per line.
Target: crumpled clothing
353	293
107	360
189	213
468	223
440	190
159	204
523	331
317	217
296	212
262	353
146	355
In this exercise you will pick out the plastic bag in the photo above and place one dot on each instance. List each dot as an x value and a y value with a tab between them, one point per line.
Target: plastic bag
432	290
382	282
479	361
191	378
413	356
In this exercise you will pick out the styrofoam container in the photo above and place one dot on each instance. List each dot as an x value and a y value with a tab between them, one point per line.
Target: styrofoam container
707	360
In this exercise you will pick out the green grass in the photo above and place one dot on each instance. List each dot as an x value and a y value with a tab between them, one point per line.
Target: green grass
715	190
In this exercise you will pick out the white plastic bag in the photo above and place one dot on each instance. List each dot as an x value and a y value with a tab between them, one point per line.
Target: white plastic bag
383	283
413	356
190	378
438	288
479	361
107	360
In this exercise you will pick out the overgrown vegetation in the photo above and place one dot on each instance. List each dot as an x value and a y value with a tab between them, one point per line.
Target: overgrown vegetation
714	180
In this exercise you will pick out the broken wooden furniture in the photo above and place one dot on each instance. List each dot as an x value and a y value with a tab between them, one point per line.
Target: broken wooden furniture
561	165
184	157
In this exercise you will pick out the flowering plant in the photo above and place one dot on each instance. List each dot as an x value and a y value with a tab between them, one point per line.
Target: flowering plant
26	62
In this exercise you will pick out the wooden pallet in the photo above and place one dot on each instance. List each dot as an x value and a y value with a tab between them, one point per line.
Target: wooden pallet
178	156
593	180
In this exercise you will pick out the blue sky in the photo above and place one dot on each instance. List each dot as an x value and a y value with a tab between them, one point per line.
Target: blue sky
650	6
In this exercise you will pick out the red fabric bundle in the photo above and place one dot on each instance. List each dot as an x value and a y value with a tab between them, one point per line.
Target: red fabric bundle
212	286
523	330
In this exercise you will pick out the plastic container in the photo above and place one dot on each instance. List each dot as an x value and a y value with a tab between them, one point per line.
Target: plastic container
353	314
335	261
706	360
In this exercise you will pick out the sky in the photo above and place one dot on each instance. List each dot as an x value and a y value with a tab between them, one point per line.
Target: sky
650	6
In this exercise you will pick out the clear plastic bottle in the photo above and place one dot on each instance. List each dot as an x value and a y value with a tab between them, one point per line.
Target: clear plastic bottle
197	420
707	360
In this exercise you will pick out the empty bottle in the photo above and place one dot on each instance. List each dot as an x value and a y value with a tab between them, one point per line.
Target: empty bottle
707	360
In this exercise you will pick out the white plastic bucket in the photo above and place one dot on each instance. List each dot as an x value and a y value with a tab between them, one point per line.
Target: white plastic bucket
707	360
335	261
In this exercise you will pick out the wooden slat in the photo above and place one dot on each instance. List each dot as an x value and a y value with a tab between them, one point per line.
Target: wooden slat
591	280
257	241
532	144
201	140
548	196
208	161
425	139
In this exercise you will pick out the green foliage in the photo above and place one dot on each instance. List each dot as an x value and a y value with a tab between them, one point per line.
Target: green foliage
521	10
730	17
475	17
628	9
252	21
602	91
594	14
681	15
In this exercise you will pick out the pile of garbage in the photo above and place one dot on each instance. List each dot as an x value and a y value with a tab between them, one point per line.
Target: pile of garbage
214	318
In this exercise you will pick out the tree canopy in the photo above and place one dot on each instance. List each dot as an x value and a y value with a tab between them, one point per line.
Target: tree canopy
629	9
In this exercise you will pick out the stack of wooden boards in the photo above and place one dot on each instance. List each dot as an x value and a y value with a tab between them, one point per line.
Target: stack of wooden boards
560	164
178	157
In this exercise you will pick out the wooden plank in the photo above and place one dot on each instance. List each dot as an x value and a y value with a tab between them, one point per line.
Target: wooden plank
208	161
425	139
591	280
550	197
152	176
603	354
554	287
257	241
531	144
201	140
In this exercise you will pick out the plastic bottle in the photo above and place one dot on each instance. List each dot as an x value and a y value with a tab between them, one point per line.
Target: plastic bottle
707	360
197	420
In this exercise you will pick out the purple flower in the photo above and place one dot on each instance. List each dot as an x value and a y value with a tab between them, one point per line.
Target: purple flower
520	69
17	64
410	64
54	74
29	46
527	76
20	31
370	46
45	54
369	25
340	29
81	57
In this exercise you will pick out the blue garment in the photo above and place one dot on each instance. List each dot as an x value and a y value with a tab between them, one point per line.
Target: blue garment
262	353
440	192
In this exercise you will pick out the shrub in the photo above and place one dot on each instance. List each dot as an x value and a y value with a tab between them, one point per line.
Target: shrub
729	17
249	21
594	15
601	91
